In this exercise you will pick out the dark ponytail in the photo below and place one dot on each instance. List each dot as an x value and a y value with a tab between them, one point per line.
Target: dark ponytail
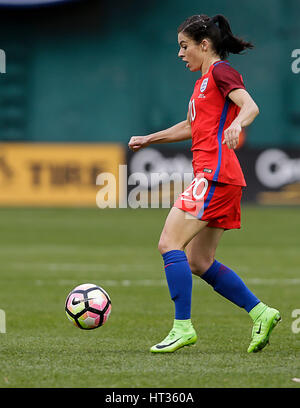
229	43
218	30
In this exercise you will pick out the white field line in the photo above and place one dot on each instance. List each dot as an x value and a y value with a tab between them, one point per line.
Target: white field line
123	267
77	267
69	249
132	267
105	282
160	282
272	281
104	267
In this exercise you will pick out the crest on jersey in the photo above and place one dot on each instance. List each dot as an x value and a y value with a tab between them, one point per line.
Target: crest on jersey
204	85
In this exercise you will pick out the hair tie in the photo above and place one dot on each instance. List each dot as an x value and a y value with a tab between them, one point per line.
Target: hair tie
215	20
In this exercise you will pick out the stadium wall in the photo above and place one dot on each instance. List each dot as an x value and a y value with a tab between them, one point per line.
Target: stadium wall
97	71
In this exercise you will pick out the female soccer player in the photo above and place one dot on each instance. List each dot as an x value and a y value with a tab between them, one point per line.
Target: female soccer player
219	108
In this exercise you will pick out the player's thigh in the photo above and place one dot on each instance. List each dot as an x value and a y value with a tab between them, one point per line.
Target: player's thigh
202	248
179	229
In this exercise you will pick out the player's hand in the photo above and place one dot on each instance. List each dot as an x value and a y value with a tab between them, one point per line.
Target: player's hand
231	135
138	142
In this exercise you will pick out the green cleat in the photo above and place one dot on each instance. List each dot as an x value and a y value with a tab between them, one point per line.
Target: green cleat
262	328
177	338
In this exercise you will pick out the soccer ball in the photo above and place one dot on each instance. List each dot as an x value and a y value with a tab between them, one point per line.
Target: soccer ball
88	306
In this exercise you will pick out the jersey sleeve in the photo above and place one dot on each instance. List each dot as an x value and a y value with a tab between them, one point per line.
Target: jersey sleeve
227	78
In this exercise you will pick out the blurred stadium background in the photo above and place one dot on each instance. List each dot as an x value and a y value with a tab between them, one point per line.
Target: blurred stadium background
82	77
99	72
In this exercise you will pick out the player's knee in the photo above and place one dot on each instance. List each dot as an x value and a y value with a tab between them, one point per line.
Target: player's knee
166	245
162	245
201	265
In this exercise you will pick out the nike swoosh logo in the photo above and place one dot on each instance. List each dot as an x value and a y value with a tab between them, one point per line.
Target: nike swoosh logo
77	301
167	345
258	332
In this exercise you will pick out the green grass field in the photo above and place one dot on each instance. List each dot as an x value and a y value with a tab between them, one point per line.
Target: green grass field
44	253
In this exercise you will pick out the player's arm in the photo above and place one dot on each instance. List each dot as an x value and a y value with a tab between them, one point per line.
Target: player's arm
177	133
249	111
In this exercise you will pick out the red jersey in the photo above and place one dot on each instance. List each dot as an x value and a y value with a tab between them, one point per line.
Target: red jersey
211	112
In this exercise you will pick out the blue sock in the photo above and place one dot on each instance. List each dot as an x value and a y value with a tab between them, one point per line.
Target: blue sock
228	284
180	282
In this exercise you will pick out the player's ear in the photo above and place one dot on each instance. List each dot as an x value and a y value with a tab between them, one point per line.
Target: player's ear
204	44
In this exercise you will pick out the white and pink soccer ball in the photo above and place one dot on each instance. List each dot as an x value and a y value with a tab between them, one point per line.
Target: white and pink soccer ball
88	306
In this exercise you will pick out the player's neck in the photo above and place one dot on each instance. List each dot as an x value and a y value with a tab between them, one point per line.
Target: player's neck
208	62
